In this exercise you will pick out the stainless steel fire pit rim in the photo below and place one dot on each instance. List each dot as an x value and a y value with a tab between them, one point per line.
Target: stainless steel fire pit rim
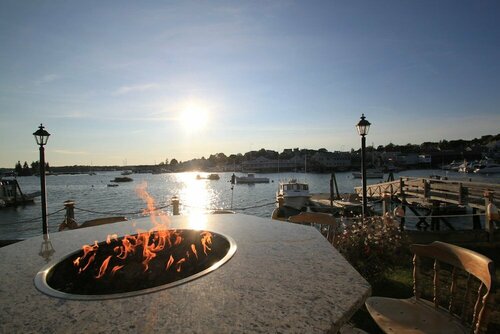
40	280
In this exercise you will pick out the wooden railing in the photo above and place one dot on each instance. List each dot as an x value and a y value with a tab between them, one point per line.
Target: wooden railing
473	194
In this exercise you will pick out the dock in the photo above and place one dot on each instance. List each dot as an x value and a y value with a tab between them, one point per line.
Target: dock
436	195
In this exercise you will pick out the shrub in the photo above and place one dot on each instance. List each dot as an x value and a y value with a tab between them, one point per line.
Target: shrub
373	246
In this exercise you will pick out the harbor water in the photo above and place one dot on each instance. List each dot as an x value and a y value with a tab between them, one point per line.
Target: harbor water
95	199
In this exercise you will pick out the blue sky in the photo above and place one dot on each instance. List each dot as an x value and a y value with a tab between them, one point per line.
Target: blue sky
112	81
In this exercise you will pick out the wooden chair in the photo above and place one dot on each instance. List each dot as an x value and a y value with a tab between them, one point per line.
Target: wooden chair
323	219
456	298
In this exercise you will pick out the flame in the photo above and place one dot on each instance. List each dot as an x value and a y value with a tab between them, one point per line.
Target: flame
113	236
103	268
170	262
116	268
193	249
179	264
158	238
206	240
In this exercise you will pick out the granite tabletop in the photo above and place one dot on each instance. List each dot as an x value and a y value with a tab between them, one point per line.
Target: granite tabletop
283	278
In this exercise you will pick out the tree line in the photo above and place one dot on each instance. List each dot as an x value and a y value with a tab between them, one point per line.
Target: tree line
27	170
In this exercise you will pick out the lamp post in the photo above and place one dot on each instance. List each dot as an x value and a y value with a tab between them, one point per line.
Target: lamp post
41	137
363	126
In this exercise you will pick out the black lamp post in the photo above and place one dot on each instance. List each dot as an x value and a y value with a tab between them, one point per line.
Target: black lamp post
363	126
42	136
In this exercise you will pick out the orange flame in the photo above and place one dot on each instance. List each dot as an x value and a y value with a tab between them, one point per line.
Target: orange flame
179	264
170	262
193	249
206	240
103	268
116	268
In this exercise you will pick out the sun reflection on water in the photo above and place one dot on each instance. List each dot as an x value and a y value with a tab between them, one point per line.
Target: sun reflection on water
195	198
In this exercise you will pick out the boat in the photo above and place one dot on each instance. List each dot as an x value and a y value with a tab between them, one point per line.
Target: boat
209	177
370	174
127	172
295	194
122	179
250	178
488	168
112	185
12	195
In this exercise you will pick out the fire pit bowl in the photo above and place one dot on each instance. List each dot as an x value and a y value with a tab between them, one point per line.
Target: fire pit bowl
135	264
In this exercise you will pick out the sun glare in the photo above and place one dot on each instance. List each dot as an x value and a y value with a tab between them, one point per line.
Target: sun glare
194	117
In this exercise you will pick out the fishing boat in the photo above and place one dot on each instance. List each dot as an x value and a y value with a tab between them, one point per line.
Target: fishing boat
295	194
122	179
250	178
370	174
488	168
12	195
209	177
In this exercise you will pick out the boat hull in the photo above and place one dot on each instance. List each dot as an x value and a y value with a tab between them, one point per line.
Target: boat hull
369	175
296	202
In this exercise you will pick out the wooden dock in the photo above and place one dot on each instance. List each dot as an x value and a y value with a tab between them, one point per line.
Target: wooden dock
436	194
473	194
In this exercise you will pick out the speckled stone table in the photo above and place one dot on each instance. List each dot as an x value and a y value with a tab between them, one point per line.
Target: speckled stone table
282	278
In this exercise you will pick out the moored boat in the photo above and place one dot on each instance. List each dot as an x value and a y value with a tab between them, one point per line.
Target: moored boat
250	178
295	194
122	179
489	168
11	194
370	174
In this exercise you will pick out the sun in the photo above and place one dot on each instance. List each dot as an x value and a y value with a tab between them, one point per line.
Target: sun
194	117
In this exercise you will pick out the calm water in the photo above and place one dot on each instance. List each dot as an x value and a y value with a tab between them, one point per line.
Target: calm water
90	192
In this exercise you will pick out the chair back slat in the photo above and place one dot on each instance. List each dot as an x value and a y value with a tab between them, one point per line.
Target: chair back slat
453	290
477	304
436	284
466	302
416	276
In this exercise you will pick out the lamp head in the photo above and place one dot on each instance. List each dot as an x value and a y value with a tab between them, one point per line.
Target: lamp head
41	136
363	126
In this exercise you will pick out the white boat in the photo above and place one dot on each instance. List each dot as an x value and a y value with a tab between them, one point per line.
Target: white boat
295	194
370	174
488	168
250	178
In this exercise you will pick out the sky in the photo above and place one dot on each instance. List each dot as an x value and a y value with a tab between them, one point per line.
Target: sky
128	83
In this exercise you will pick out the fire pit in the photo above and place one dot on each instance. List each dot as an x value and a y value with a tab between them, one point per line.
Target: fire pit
135	264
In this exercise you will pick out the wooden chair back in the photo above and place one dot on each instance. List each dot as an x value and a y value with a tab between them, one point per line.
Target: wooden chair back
455	279
324	219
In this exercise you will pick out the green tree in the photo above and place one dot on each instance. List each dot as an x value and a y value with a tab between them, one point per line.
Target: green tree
19	168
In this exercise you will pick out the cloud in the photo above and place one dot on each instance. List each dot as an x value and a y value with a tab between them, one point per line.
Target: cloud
74	114
137	88
67	152
47	79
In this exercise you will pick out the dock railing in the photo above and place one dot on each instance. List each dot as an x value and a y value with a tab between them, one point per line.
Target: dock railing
473	194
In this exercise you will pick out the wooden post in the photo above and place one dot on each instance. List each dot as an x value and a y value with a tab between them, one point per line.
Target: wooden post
69	221
386	203
403	203
488	221
70	209
175	205
476	221
331	191
427	188
434	219
281	201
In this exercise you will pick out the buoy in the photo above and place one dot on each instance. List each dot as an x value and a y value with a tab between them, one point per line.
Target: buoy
492	212
399	211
